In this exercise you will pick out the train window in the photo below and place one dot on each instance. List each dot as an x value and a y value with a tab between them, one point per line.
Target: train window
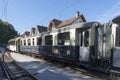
33	41
11	43
64	38
117	37
48	40
39	41
29	42
81	38
21	42
86	38
24	42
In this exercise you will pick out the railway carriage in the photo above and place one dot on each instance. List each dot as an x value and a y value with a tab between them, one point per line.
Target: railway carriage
29	45
73	43
90	44
14	44
107	46
113	43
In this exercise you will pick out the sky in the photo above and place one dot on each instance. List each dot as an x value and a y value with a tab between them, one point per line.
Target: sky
25	14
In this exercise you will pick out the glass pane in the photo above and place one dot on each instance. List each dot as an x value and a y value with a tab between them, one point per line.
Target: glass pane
64	38
33	41
39	41
24	42
86	38
29	42
117	41
80	39
48	40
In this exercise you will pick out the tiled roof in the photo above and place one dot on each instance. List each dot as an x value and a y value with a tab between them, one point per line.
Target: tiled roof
70	21
54	22
41	28
27	33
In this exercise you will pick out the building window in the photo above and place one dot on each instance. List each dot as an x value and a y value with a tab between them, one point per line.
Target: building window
48	40
64	38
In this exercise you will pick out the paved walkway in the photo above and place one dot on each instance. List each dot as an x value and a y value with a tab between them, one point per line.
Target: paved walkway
46	71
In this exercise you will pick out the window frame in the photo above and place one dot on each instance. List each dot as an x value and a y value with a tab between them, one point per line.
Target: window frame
33	41
29	42
38	41
61	40
117	37
49	41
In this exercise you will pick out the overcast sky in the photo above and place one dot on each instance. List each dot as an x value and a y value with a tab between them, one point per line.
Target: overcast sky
24	14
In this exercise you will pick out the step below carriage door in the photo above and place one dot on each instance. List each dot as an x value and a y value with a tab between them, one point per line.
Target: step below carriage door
84	46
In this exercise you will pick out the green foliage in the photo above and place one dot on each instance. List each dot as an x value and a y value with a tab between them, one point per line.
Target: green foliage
7	32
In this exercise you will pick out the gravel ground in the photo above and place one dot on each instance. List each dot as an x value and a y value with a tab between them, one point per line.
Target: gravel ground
47	71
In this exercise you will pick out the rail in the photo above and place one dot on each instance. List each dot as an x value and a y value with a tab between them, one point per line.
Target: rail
4	69
12	70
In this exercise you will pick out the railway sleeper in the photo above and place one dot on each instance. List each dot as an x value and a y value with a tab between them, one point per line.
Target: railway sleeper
20	75
18	72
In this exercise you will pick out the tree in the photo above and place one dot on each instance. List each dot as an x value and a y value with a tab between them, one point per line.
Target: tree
7	32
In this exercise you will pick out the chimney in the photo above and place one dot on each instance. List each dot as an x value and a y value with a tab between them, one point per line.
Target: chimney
77	14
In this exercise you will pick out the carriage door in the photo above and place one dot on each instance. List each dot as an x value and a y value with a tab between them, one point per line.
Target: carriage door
18	45
84	46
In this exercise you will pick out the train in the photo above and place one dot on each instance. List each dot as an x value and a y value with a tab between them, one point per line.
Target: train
90	44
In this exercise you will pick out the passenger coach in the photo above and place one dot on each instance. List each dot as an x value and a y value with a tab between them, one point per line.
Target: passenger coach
91	44
73	43
14	44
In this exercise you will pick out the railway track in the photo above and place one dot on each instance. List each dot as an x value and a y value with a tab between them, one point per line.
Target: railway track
12	70
79	71
3	75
